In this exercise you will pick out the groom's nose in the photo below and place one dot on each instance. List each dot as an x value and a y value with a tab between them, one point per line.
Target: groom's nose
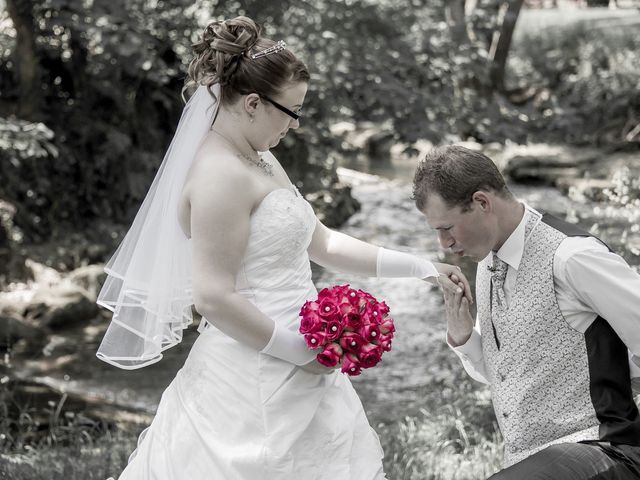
445	239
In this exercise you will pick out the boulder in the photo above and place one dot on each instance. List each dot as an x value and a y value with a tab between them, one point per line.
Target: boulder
545	164
520	172
378	146
13	329
587	188
334	207
61	306
42	274
370	139
90	278
60	346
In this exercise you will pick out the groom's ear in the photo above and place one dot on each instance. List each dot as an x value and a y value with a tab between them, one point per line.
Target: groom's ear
482	200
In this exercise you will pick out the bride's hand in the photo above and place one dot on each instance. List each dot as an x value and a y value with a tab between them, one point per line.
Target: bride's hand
317	368
453	274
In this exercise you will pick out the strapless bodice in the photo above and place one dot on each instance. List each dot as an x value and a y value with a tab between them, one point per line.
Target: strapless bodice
275	273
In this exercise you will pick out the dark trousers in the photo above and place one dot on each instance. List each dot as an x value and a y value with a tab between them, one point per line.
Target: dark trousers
577	461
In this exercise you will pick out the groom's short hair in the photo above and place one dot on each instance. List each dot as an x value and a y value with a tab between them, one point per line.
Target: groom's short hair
456	173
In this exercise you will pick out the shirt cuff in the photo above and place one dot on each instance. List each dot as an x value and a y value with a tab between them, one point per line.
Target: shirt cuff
471	351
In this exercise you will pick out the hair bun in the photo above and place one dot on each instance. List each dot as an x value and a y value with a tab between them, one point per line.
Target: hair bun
223	55
232	37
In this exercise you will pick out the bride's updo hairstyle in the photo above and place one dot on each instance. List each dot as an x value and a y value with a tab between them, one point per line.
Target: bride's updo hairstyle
223	55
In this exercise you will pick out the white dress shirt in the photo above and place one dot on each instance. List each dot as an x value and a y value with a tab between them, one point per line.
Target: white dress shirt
589	281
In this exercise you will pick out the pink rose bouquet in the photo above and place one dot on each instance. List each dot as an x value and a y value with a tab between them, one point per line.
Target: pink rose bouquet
348	327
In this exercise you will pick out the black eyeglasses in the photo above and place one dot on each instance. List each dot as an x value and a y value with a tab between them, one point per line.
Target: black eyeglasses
293	115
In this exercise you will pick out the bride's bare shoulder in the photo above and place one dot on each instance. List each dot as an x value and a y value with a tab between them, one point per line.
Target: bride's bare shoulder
218	182
212	159
217	168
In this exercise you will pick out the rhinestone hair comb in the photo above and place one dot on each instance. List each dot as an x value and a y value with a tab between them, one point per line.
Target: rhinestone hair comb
278	47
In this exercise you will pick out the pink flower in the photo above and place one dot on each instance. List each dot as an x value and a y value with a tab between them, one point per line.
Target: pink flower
328	308
330	356
370	332
370	355
340	290
353	297
367	318
324	293
374	317
377	311
385	342
327	293
352	321
310	323
334	330
387	326
352	342
316	339
309	307
346	308
351	365
362	304
366	295
383	308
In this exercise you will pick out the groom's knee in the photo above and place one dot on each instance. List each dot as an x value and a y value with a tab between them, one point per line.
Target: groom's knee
564	461
540	466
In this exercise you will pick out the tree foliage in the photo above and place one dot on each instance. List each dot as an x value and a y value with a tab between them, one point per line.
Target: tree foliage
94	86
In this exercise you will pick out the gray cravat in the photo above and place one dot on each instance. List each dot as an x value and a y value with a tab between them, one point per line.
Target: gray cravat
498	276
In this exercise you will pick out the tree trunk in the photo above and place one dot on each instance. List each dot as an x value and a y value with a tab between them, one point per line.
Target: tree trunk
501	42
455	15
25	58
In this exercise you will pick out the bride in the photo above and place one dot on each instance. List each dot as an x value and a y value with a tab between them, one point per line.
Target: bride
223	228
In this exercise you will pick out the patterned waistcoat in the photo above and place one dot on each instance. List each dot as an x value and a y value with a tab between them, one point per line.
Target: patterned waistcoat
550	383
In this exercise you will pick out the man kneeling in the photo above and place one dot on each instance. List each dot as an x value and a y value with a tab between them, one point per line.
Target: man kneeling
558	324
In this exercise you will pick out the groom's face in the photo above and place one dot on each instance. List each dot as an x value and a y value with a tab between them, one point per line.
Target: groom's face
466	233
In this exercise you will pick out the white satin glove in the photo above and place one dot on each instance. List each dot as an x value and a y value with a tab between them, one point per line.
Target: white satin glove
288	346
394	264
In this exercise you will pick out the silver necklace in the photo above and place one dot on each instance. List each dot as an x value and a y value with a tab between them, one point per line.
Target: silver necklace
261	163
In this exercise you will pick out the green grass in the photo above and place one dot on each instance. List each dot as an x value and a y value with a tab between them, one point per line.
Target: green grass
98	460
439	447
48	442
454	435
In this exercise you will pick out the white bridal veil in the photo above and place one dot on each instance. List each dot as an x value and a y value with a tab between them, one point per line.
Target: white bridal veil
148	286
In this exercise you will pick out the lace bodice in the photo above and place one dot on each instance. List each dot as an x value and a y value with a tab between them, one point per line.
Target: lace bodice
275	273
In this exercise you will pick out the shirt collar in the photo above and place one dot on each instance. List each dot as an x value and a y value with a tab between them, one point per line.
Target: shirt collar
513	248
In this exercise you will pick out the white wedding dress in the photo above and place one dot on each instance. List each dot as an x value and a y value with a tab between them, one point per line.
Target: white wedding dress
232	413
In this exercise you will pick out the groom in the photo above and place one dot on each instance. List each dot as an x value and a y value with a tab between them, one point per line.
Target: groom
557	313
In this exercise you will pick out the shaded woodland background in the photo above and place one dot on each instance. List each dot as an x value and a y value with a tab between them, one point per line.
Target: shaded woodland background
88	96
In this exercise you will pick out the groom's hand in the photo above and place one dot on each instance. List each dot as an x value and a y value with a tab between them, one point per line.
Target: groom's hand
459	319
454	273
